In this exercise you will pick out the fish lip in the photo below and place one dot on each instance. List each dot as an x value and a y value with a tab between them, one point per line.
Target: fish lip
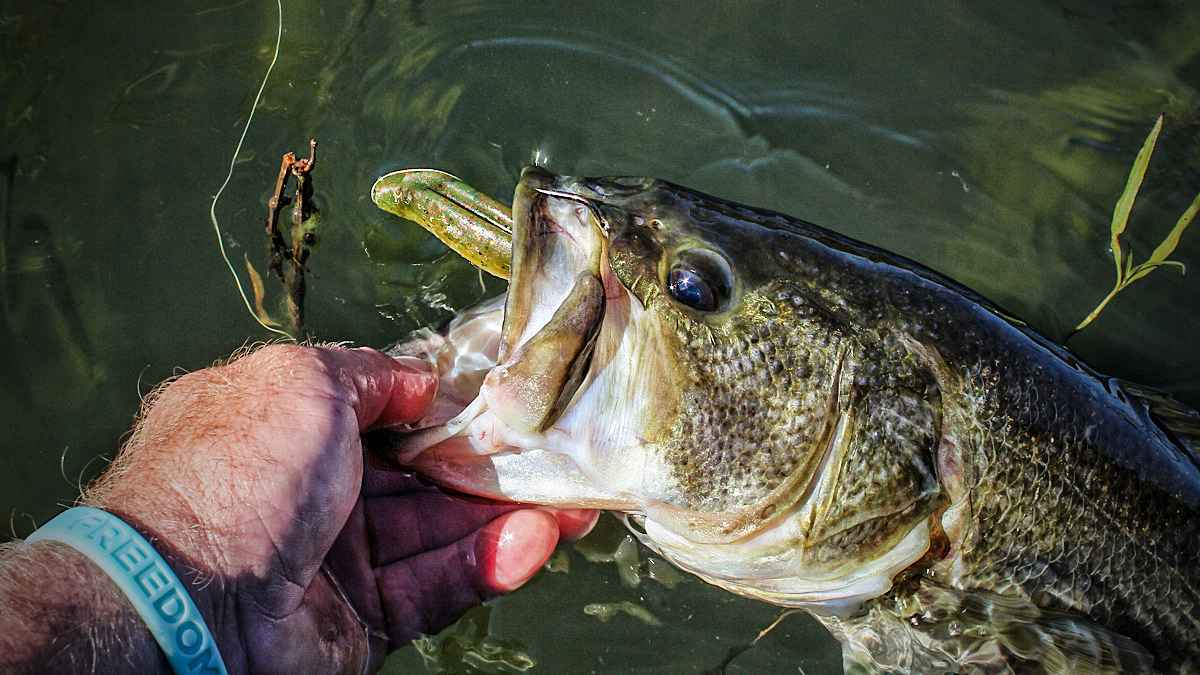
573	196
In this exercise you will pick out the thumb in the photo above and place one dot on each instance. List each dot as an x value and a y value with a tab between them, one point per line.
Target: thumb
414	386
513	547
386	390
424	593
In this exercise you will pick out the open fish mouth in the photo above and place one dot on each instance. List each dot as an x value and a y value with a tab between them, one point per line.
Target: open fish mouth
519	375
555	308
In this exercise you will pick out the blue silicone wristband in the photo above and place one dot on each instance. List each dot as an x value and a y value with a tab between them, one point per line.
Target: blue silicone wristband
142	574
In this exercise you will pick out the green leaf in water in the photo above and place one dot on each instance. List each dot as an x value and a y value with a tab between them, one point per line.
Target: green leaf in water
1127	272
607	610
1125	204
469	648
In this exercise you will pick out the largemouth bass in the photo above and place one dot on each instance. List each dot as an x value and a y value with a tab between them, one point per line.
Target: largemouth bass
803	418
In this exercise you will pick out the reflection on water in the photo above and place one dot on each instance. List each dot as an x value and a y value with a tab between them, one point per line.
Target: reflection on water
988	140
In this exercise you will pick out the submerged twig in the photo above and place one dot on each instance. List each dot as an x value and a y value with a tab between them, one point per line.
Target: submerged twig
737	650
287	260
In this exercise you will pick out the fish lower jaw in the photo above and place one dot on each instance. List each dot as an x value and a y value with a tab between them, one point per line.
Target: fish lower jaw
478	454
532	476
789	580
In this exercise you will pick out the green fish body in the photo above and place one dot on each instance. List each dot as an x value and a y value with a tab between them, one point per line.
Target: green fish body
803	418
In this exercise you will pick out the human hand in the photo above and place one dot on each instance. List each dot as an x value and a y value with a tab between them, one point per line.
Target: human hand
249	476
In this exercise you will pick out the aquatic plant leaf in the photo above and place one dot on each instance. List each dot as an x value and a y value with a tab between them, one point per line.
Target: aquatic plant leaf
1146	268
1167	247
1127	273
1125	204
469	647
256	285
607	610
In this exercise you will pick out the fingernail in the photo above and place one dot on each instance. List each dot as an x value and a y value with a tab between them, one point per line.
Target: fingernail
573	524
414	365
517	547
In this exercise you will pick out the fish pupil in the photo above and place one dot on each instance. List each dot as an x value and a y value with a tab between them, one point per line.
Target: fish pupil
690	290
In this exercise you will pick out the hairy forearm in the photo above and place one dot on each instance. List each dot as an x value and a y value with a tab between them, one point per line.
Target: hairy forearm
244	478
60	613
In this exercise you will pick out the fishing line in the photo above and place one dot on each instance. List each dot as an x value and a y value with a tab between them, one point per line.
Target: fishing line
212	211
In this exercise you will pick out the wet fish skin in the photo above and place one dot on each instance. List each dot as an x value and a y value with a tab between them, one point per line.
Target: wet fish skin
851	402
1061	485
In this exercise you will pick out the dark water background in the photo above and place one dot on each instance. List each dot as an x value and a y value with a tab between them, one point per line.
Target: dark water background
988	140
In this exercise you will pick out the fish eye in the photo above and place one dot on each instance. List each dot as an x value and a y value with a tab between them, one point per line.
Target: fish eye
700	279
690	290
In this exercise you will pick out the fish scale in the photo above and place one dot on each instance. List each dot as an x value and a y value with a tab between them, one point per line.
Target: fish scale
1028	523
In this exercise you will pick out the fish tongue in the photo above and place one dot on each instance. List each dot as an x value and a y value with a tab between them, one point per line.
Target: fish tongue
531	390
554	309
554	239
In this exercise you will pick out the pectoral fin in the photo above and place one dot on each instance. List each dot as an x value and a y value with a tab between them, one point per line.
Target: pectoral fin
940	628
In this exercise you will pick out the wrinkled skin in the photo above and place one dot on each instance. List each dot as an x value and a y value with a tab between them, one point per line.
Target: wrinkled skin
802	418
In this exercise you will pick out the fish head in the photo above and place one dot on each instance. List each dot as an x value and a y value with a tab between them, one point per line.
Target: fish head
651	361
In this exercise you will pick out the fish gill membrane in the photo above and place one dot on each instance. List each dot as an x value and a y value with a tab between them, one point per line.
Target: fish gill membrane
805	419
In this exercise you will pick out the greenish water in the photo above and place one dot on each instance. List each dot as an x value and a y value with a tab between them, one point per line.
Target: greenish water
988	140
